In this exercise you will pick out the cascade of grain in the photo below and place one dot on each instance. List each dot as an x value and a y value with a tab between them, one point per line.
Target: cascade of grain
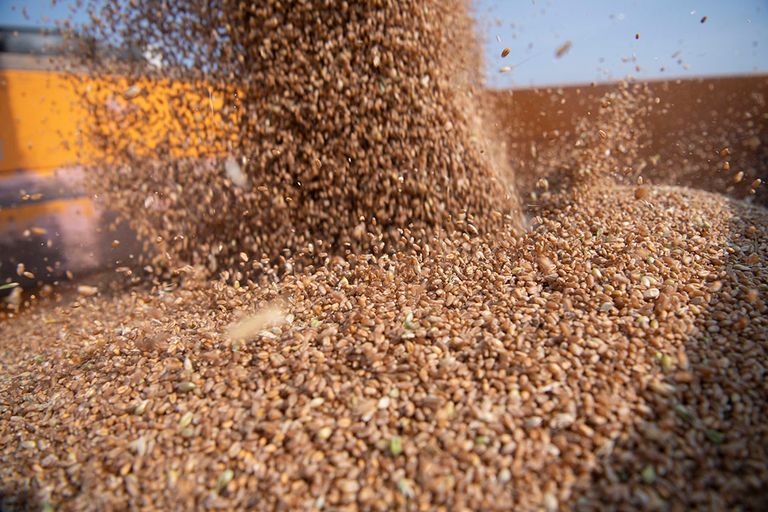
344	123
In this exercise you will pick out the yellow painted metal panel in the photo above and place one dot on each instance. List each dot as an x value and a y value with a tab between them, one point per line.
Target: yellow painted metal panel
39	116
44	122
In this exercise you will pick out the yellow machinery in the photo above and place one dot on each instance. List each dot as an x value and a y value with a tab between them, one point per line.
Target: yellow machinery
48	221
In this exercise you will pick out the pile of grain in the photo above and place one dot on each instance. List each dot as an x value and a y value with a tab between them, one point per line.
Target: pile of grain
613	356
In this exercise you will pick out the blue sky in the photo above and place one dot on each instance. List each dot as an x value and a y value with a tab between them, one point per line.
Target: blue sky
733	40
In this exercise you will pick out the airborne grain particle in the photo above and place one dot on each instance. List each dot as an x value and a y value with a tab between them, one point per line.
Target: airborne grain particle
249	327
505	52
546	264
235	173
703	19
132	92
563	49
642	192
87	291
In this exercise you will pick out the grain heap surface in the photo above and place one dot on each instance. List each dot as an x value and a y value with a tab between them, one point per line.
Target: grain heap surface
614	355
344	123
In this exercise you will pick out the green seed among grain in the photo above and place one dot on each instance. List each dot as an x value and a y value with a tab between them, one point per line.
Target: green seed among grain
648	475
395	446
224	479
186	419
715	436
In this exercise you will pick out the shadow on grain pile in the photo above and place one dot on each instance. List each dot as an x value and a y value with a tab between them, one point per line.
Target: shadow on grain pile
698	435
702	265
434	358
